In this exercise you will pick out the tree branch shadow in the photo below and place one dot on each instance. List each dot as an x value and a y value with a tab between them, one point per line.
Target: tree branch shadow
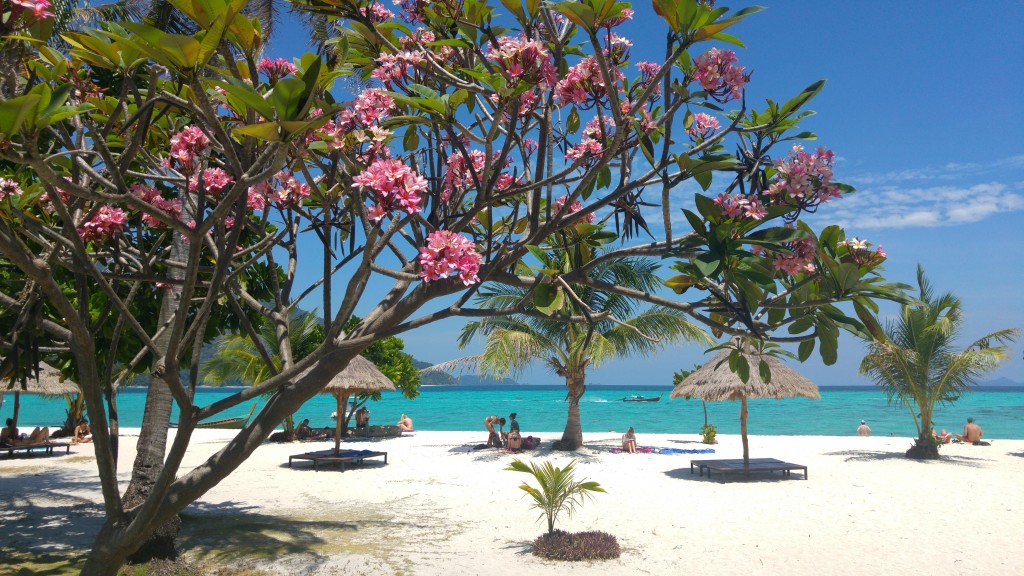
877	456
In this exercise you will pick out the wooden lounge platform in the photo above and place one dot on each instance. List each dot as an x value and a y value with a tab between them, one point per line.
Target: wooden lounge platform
343	457
754	465
47	448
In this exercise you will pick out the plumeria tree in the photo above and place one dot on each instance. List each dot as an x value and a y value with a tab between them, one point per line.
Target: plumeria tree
195	171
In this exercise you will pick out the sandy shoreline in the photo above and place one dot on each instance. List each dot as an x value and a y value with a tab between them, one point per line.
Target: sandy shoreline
431	510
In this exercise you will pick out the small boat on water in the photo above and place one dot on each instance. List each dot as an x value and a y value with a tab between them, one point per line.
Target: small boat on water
635	398
225	424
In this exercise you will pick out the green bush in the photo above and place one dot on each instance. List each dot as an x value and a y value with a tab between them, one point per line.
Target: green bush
573	547
708	433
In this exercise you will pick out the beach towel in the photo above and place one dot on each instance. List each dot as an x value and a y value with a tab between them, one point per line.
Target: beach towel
654	450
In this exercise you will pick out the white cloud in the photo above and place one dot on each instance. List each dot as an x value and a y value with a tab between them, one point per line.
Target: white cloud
897	207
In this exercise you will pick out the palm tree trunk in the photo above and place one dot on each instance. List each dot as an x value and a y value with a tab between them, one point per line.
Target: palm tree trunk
572	437
743	430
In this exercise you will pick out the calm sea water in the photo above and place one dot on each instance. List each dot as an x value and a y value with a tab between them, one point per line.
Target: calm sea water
1000	411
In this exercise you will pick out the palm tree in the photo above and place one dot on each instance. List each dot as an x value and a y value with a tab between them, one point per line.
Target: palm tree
568	349
558	492
238	357
916	362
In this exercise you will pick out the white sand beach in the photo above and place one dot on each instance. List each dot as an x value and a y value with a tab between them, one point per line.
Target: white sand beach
864	510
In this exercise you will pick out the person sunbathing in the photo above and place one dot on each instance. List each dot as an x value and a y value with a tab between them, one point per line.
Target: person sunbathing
82	433
944	438
39	436
629	441
405	423
972	433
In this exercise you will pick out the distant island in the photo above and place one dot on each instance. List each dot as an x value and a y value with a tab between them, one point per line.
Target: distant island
446	379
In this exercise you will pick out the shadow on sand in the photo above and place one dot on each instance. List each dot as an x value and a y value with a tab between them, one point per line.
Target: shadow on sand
758	477
874	456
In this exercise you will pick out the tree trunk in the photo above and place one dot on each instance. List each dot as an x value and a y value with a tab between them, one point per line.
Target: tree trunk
743	431
572	438
151	448
925	447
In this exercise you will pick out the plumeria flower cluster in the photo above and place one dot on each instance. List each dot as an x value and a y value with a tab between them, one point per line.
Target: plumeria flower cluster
625	14
719	74
395	186
859	252
276	69
188	147
704	125
584	86
393	68
460	171
106	223
799	260
377	13
449	254
154	197
741	206
803	181
284	190
215	181
23	13
648	70
573	208
8	188
591	145
523	60
359	124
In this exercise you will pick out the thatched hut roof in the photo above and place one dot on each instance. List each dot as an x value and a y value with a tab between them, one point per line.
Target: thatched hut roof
360	376
715	382
50	383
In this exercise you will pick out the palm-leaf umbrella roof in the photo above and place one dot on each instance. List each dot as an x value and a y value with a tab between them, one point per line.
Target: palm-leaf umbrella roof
715	382
360	377
50	383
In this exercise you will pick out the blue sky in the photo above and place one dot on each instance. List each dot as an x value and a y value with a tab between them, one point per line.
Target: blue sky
922	110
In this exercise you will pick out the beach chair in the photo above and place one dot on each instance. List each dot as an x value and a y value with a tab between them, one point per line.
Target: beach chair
46	448
341	457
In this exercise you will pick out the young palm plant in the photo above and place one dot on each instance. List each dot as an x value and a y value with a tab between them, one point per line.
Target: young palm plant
916	362
238	357
569	349
558	492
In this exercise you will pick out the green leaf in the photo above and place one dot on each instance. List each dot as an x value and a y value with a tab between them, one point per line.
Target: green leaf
572	123
604	177
708	264
796	102
704	179
412	138
548	299
695	222
247	95
15	111
268	131
805	350
764	371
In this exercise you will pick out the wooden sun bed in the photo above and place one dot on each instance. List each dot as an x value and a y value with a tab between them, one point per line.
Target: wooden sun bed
735	466
342	458
46	448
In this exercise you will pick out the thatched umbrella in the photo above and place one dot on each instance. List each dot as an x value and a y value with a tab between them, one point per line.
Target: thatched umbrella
715	382
49	383
359	377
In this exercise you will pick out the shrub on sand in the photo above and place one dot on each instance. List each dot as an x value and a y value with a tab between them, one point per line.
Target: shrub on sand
573	547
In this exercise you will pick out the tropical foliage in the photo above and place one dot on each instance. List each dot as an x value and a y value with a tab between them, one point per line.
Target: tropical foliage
617	328
160	187
558	490
917	363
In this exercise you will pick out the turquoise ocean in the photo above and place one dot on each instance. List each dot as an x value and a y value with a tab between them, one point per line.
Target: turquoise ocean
543	409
